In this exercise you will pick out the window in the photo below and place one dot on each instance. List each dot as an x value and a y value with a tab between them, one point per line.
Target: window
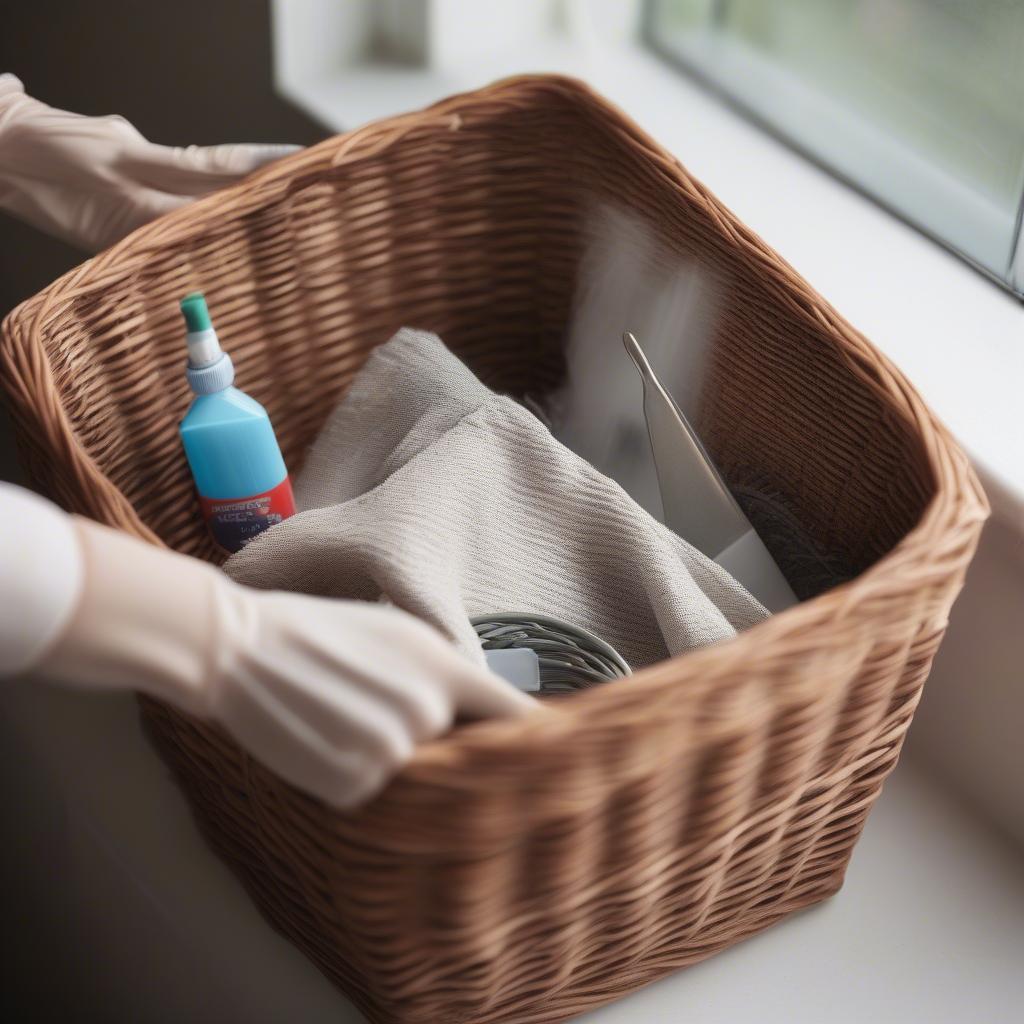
919	103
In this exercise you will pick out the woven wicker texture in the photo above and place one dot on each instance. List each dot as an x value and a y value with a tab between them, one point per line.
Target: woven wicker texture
523	872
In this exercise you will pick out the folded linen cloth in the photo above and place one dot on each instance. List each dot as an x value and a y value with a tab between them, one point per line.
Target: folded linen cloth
429	490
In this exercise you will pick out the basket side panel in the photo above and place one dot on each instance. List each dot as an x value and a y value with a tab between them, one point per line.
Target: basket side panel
708	842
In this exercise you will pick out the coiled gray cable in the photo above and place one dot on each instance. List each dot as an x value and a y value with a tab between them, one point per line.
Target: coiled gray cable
571	658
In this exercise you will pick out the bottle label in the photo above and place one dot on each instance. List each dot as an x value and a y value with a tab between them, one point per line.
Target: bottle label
235	521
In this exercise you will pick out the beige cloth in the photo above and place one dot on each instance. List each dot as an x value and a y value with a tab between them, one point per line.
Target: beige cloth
430	490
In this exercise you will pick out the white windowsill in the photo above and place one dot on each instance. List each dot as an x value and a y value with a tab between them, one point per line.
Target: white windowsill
958	337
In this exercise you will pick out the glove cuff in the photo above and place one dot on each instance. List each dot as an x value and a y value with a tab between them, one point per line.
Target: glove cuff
147	619
13	101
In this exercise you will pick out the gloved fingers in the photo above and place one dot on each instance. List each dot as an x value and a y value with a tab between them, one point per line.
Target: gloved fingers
117	124
349	716
342	648
407	649
100	225
341	773
196	170
391	655
93	226
289	671
481	694
91	180
425	709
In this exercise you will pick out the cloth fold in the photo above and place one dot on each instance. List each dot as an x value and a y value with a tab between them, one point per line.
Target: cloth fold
427	489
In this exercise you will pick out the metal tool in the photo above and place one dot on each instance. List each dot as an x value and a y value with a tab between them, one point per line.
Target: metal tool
697	504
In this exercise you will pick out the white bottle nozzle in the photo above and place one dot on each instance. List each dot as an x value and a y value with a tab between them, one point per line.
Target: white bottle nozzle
203	347
209	366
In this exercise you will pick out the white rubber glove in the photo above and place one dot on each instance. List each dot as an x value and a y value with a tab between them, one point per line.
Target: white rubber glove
92	180
332	695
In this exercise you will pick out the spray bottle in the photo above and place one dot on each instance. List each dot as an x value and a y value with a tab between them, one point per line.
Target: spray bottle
229	442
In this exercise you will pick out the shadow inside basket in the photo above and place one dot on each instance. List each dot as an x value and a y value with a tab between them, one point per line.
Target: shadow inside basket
479	235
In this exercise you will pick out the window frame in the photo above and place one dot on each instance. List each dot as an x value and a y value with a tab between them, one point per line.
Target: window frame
965	228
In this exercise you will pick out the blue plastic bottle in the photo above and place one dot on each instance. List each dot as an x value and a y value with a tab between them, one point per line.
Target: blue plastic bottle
229	442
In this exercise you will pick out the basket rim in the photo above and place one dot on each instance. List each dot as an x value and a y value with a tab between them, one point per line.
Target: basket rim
949	524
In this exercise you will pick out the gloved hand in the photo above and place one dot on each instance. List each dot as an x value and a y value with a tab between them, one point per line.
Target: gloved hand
92	180
332	695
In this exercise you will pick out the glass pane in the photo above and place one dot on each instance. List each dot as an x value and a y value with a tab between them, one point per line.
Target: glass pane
921	102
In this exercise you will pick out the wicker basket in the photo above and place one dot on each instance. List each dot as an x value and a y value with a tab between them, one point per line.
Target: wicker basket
513	871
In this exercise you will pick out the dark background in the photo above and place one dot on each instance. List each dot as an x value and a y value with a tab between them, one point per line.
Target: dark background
182	72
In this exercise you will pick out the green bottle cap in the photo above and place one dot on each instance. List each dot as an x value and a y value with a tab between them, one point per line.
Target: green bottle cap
197	316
